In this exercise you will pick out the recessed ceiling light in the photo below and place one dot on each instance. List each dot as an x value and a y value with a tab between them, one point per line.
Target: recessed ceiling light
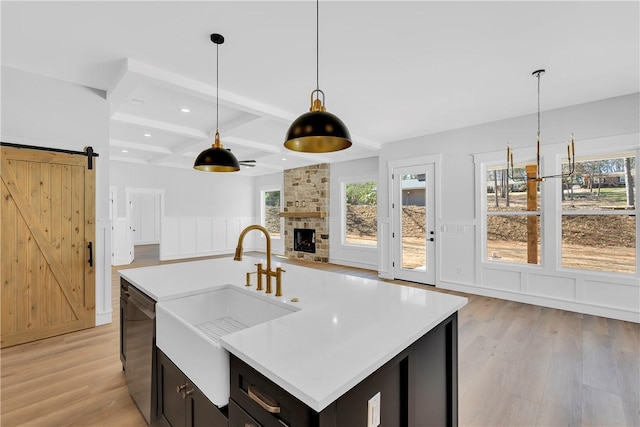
185	110
125	151
148	135
284	158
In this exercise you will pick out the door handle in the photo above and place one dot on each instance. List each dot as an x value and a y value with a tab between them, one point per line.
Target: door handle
90	246
431	239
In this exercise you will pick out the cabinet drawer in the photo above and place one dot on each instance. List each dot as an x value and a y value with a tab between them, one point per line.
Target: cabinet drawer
239	418
265	401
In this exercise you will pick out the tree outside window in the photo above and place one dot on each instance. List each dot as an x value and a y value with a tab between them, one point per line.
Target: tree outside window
271	212
513	225
361	213
599	215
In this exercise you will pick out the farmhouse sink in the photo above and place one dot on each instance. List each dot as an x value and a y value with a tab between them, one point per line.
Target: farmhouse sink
188	331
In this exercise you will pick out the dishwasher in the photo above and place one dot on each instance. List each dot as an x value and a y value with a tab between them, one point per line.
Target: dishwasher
138	344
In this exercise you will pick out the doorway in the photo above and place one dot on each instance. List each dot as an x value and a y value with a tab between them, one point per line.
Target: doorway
145	210
413	223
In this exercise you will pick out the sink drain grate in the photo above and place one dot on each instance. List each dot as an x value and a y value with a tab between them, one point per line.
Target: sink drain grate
214	329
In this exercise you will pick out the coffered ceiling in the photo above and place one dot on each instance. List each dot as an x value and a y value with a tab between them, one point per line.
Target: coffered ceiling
390	70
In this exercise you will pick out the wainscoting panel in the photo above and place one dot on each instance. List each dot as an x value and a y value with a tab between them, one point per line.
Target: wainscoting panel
186	237
204	235
501	279
456	243
122	253
625	296
552	286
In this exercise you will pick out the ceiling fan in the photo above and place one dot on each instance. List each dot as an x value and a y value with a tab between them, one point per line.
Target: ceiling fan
248	163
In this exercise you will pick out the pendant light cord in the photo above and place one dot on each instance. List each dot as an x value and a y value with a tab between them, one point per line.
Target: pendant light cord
539	105
217	84
318	44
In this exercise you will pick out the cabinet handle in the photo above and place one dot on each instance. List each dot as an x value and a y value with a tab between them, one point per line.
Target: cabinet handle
250	425
266	402
187	393
180	388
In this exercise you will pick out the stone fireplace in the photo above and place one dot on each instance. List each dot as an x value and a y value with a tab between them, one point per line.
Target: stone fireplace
306	207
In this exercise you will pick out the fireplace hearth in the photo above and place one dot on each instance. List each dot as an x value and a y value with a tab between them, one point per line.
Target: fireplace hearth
304	240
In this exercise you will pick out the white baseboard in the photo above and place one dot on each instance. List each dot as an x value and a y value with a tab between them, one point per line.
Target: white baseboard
578	307
121	261
104	318
351	263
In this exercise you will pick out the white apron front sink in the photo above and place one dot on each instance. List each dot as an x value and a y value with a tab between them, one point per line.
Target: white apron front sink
188	331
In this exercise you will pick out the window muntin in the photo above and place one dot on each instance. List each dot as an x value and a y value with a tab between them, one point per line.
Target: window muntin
360	216
271	212
599	215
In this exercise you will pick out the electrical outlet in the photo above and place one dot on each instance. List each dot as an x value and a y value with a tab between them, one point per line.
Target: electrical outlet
373	411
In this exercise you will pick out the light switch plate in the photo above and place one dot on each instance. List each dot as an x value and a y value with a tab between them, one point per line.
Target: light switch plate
373	411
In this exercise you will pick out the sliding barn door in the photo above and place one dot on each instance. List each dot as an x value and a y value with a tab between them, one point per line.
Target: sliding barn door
47	231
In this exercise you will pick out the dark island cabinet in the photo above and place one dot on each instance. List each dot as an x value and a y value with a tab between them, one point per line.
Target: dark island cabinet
180	402
418	388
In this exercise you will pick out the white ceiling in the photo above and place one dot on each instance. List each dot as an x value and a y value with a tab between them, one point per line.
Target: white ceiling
390	70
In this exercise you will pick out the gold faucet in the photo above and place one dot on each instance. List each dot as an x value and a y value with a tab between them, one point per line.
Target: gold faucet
268	273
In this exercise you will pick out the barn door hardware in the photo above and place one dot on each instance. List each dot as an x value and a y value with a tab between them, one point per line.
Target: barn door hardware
88	151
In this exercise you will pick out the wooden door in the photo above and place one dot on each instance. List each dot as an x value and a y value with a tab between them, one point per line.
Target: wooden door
46	227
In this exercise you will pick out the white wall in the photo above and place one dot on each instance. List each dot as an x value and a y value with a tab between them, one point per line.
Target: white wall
45	112
460	264
339	253
203	213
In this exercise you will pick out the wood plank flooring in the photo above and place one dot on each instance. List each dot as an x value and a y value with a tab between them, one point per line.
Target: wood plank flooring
520	365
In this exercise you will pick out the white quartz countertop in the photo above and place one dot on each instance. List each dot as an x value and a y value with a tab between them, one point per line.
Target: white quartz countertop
346	329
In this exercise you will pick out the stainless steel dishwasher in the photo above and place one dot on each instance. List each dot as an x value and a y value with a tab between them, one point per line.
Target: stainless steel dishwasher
138	329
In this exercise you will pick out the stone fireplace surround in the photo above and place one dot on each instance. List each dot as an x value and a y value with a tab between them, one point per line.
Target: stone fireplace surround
306	205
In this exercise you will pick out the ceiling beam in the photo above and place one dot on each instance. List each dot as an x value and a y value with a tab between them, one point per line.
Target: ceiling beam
137	146
226	98
260	146
158	125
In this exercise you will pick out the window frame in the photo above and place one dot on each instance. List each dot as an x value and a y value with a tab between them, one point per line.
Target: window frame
551	159
499	166
343	210
263	210
612	153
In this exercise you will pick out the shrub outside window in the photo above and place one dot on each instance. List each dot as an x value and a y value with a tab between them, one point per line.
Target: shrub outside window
360	213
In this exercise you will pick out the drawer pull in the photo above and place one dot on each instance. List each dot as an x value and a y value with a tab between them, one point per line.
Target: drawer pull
266	402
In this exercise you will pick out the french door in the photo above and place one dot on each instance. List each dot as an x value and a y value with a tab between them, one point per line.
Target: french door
413	223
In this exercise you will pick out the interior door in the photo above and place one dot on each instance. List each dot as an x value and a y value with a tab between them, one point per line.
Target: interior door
145	218
47	224
414	223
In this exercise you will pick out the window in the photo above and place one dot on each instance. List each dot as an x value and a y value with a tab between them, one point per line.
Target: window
360	213
271	212
599	214
513	217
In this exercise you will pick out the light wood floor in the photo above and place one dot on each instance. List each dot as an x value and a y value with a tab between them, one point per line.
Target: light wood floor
520	365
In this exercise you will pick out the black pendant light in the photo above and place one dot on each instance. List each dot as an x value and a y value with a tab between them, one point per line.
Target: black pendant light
217	158
317	131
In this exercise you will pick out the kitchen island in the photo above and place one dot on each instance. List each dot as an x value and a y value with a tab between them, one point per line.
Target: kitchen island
348	338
